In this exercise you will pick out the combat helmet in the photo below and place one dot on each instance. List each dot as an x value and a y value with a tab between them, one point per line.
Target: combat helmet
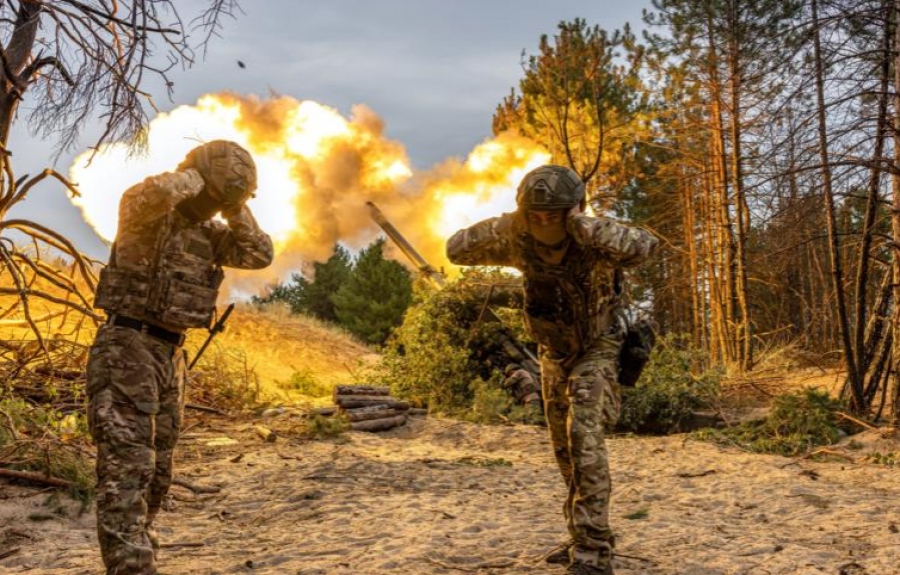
228	170
550	188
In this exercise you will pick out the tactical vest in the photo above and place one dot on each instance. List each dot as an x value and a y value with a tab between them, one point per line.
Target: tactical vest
570	304
179	287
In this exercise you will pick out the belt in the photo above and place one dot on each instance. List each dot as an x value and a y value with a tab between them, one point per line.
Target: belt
174	337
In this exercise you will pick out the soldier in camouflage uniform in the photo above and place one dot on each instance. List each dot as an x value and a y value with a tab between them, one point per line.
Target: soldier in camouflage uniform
520	383
573	283
163	278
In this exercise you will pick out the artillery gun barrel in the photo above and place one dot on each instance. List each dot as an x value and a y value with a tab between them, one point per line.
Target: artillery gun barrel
410	252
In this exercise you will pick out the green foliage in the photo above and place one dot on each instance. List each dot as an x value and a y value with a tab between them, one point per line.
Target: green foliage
797	423
581	99
305	383
444	357
483	461
371	302
890	459
672	385
314	297
639	514
320	427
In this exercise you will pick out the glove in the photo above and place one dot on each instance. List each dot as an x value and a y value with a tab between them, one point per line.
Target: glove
199	208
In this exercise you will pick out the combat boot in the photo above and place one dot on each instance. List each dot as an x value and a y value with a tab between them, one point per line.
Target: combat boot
560	556
579	568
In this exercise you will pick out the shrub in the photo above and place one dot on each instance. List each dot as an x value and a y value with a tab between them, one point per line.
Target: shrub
445	355
797	423
670	388
224	378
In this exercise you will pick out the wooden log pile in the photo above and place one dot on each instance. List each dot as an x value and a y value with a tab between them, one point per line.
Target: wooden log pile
370	408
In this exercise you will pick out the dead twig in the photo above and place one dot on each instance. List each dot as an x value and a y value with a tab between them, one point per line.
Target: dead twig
10	552
35	477
499	564
195	488
205	409
855	420
635	557
700	474
826	451
192	544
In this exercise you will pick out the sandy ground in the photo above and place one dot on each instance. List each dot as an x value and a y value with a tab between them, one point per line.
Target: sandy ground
444	497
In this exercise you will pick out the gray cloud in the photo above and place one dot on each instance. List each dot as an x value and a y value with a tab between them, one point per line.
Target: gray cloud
433	70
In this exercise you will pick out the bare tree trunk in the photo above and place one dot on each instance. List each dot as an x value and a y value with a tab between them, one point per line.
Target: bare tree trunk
863	347
895	215
725	228
858	401
744	341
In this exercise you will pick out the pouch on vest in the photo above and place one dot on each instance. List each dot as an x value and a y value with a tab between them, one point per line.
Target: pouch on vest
185	304
124	292
639	341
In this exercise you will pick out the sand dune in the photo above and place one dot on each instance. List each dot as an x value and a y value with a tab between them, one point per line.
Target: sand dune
445	497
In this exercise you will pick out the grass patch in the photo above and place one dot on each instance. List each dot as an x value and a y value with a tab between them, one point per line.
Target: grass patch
483	461
45	440
639	514
321	427
306	383
890	459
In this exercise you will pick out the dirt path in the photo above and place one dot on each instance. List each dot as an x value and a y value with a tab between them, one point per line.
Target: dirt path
444	497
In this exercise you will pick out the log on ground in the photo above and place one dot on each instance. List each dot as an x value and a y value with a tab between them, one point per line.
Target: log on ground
360	390
265	433
372	412
378	424
351	401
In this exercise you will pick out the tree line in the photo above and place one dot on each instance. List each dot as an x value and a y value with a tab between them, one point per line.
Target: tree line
366	295
759	140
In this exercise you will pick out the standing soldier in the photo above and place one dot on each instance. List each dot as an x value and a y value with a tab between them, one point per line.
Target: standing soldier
573	284
162	278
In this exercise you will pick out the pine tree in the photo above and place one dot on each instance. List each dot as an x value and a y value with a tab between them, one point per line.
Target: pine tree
313	297
373	299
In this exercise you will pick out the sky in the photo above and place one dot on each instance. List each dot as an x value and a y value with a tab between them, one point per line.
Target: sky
434	70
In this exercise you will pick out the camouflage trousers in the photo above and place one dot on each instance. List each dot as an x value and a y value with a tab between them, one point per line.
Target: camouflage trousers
135	387
581	396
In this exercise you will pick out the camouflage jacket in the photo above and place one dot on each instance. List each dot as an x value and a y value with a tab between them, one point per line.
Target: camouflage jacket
570	304
166	269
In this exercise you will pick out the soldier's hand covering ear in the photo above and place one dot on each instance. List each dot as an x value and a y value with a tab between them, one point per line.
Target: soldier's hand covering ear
199	208
236	191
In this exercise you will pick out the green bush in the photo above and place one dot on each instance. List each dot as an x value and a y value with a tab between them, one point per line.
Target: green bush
671	387
445	355
797	423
